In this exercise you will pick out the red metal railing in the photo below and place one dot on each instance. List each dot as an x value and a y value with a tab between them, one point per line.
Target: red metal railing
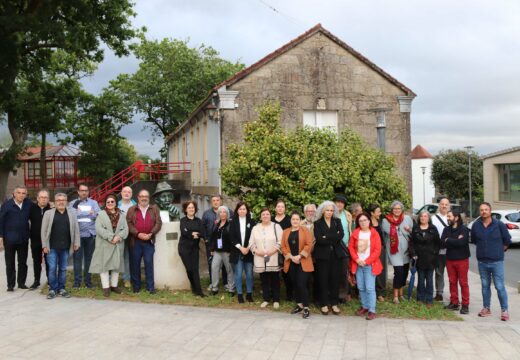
135	172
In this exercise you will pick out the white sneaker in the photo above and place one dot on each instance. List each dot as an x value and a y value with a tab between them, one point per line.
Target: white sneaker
264	304
276	305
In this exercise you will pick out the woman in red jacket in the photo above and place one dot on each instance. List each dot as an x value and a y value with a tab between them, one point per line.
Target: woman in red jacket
365	247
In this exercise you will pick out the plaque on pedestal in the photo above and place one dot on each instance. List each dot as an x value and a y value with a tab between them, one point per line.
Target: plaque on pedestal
168	268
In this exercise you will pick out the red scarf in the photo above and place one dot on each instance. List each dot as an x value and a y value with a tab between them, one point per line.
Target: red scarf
394	238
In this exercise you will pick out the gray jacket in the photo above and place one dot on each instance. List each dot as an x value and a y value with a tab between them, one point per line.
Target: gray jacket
401	257
47	220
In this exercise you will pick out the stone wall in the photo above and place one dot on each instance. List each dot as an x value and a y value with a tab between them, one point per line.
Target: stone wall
318	68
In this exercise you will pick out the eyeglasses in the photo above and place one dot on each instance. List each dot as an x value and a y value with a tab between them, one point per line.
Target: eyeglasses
111	202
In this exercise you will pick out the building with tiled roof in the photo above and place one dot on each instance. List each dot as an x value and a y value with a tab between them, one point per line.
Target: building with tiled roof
320	81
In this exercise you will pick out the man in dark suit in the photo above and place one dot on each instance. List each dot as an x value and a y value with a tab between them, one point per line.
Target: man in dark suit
14	233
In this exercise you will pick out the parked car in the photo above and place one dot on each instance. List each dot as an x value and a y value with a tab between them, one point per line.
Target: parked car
432	208
511	218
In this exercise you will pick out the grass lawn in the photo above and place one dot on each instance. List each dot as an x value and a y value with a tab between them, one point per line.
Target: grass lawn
406	309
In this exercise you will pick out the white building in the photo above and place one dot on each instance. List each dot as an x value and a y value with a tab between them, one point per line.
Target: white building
423	190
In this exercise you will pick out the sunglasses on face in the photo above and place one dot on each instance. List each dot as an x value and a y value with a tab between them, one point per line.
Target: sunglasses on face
111	202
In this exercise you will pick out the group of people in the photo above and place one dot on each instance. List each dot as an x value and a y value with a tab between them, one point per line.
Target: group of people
328	251
107	242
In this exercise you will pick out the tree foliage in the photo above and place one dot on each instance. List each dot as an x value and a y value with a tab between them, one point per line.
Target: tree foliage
30	34
450	174
95	128
307	166
171	81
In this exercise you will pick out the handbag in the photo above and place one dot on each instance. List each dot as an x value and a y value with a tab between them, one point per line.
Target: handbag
281	258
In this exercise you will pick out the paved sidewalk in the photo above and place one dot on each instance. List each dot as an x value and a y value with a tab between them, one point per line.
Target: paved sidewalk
32	326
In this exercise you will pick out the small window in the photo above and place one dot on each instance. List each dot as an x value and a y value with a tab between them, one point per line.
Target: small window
513	217
321	120
496	216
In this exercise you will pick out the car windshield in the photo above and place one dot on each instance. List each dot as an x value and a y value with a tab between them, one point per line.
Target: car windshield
513	217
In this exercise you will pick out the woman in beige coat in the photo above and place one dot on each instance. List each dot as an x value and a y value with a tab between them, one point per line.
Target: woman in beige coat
108	258
264	243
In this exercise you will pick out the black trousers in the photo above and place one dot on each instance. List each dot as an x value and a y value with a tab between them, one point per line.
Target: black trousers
37	252
381	278
19	251
328	272
400	276
270	285
289	286
300	280
190	259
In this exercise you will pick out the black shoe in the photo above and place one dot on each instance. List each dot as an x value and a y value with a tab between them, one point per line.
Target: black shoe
296	309
23	287
201	294
464	310
152	292
249	297
88	286
10	289
306	313
214	292
240	298
451	306
438	298
34	286
136	291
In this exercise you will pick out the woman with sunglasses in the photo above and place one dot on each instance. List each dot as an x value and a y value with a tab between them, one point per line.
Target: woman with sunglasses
108	257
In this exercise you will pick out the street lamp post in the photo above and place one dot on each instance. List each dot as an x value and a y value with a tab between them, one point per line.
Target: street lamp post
468	149
423	168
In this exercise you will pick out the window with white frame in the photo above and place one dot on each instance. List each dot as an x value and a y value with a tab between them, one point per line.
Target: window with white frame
321	119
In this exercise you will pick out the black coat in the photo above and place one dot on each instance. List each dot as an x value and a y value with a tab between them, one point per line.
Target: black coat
328	240
36	216
235	238
456	249
425	245
187	243
220	233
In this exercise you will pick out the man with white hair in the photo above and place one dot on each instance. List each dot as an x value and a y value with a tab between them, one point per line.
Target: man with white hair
124	204
440	221
14	234
35	216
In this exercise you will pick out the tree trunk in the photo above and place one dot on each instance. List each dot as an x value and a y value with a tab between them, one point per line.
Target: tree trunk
43	163
8	161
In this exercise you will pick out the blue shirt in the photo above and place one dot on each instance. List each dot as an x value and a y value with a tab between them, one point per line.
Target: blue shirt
86	220
344	222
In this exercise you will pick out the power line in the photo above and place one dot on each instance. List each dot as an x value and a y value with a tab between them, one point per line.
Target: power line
288	17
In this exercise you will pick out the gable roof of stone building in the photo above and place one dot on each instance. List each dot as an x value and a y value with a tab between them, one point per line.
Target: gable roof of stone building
420	152
278	52
501	152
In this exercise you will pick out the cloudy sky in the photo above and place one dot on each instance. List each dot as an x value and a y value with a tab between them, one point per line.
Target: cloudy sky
460	57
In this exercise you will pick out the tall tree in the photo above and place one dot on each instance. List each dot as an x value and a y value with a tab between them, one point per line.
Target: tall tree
450	174
95	128
31	31
307	165
171	81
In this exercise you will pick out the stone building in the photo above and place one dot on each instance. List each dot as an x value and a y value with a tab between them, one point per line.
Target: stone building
501	172
320	81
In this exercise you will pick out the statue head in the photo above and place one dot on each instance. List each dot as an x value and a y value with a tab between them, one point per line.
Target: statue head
163	195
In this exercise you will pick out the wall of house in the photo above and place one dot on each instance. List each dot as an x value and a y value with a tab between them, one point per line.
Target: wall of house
491	179
318	68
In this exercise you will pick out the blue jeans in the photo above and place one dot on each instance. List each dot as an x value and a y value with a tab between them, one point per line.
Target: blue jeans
142	250
238	268
366	283
425	285
84	255
495	270
57	261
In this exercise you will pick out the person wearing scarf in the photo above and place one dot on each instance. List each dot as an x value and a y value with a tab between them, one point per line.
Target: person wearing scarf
108	257
397	228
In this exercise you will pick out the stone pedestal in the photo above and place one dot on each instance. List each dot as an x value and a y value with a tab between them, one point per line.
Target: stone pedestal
169	271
